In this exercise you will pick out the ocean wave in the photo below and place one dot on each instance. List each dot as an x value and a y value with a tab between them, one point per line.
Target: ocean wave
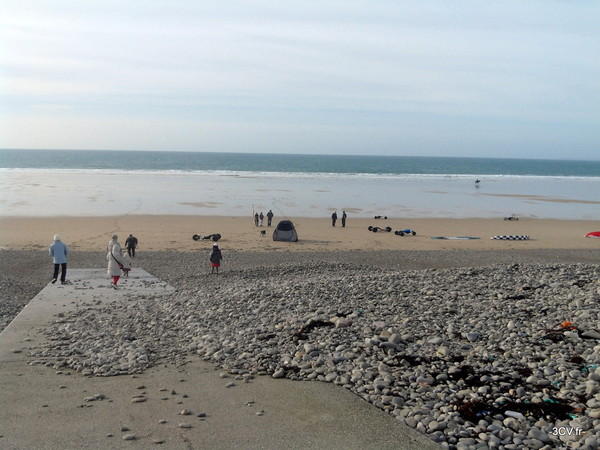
306	175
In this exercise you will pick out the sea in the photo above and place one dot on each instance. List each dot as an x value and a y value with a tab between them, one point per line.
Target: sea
112	183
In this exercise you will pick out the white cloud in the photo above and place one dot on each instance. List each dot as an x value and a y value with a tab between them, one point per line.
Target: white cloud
332	67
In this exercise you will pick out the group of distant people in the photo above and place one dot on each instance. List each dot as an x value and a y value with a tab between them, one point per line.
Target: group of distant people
119	261
259	218
334	218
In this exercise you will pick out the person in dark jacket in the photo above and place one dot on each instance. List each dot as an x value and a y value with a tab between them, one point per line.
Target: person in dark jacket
59	252
131	243
215	259
269	218
333	218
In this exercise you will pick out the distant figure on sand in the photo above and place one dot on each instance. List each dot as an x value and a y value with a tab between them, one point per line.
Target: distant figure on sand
477	183
344	219
115	261
131	243
256	219
269	218
59	251
333	218
215	259
262	217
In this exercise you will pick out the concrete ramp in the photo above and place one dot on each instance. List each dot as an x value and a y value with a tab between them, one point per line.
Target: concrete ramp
193	406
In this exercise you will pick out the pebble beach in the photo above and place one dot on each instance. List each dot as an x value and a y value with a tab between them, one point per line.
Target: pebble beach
474	349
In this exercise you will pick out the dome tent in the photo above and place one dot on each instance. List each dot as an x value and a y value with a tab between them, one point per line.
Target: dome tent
285	231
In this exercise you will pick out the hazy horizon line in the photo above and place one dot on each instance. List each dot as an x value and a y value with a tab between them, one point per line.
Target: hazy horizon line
294	154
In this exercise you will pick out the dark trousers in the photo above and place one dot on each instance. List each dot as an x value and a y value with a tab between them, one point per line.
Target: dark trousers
131	251
63	274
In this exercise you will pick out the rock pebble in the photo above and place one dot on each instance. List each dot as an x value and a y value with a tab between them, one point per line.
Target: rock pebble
498	356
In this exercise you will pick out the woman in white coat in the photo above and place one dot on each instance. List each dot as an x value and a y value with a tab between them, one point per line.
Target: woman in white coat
115	261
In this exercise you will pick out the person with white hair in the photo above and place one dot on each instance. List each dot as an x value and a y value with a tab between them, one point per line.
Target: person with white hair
115	261
112	242
59	252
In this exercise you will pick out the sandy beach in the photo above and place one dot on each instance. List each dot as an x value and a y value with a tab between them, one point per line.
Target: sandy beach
239	233
348	306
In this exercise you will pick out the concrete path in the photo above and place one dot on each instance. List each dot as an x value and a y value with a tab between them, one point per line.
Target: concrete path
46	408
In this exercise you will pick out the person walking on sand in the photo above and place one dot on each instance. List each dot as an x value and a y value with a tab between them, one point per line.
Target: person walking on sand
262	217
59	252
333	218
215	259
131	243
269	218
256	219
344	219
115	261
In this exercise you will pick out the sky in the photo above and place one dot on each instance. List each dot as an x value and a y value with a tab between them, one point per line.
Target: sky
390	77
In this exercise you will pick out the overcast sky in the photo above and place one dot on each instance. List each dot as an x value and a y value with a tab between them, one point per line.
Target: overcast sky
433	78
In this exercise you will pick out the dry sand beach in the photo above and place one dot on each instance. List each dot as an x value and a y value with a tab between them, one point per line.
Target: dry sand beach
460	340
240	234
